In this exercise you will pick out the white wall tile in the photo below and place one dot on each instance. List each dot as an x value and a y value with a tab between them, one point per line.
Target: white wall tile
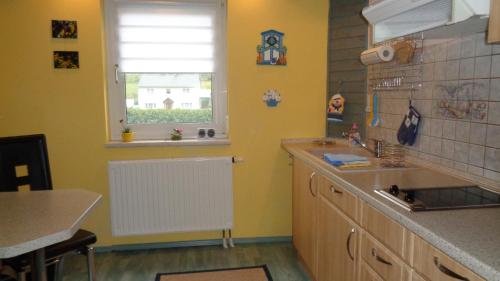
478	133
476	155
452	69
435	146
467	68
468	46
460	166
448	149
483	67
461	152
462	131
437	128
440	70
453	49
482	48
496	48
449	129
493	136
495	89
495	66
494	113
492	159
492	175
475	170
428	72
481	89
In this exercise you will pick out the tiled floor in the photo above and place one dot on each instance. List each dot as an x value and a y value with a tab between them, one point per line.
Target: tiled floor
143	265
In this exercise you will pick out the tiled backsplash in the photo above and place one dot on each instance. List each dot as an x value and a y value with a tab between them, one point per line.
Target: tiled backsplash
459	100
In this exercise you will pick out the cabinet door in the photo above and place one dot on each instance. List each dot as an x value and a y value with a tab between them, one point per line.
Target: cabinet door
304	207
367	274
337	244
494	25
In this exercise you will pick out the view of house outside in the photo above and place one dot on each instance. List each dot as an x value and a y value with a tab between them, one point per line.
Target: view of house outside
168	98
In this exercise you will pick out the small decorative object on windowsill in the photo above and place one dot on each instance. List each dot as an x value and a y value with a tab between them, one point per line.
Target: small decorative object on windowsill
127	134
176	135
272	98
211	133
271	51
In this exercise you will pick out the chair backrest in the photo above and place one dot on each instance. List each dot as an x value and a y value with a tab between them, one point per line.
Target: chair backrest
24	161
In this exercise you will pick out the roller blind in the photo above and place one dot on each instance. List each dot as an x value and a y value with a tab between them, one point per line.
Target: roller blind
165	36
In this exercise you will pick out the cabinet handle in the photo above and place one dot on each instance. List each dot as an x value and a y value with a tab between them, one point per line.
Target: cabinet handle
448	271
379	258
348	243
310	183
116	73
334	190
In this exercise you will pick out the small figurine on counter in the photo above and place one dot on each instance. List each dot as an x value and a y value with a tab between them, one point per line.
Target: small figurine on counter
354	136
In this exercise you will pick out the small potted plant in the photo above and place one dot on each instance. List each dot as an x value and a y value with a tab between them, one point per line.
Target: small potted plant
176	134
127	134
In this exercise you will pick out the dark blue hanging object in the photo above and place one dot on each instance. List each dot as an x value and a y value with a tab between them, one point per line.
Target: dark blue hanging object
407	133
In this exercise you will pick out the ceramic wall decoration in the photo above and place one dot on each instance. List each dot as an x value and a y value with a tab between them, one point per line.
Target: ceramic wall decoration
66	59
272	98
336	107
66	29
271	51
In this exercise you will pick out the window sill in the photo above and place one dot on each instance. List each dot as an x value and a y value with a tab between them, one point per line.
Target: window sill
156	143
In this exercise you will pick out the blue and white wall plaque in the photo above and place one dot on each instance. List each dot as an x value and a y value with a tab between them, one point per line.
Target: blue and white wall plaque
271	51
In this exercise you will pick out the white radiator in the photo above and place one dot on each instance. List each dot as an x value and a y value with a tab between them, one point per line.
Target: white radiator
171	195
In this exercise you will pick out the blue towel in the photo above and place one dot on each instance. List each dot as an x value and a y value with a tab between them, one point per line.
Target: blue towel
342	159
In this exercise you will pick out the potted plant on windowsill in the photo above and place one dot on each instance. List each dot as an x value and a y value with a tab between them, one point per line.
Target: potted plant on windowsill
176	135
127	134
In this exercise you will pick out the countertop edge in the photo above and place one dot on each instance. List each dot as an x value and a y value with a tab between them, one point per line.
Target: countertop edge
436	241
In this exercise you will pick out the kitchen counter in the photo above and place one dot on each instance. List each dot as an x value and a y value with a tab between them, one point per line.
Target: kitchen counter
470	236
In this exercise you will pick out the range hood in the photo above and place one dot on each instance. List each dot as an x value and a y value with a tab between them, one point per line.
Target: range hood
394	18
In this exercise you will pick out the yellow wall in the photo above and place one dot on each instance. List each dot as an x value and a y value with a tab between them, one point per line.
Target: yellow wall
69	105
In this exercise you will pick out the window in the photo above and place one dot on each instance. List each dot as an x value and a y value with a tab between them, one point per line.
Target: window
175	46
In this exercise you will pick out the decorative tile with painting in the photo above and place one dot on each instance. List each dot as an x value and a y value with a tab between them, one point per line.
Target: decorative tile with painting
271	51
66	29
66	59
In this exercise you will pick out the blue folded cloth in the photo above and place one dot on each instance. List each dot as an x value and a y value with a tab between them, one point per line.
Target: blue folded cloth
343	159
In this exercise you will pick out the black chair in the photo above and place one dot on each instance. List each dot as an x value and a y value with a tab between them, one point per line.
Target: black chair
30	153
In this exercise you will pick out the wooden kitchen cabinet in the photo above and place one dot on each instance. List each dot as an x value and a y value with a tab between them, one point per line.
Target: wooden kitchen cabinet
367	273
304	216
337	244
494	22
434	265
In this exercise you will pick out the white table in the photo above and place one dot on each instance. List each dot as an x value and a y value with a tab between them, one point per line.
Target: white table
31	221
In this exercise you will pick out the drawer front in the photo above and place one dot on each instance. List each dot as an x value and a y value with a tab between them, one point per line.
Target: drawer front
435	265
416	277
367	274
382	261
384	229
341	198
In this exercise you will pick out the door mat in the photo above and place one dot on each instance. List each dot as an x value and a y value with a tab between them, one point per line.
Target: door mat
254	273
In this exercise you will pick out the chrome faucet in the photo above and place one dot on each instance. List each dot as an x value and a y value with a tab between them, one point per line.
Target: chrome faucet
377	152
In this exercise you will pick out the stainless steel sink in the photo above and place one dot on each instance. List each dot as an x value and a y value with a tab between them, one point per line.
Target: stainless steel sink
375	166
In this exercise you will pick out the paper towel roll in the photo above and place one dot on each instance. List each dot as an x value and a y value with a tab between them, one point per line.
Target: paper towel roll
377	55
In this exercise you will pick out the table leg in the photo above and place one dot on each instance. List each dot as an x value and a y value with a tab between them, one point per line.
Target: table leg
40	272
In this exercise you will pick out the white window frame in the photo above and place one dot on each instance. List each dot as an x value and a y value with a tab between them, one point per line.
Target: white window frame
116	82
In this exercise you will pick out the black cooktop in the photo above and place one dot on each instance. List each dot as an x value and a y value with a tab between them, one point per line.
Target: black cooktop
442	198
